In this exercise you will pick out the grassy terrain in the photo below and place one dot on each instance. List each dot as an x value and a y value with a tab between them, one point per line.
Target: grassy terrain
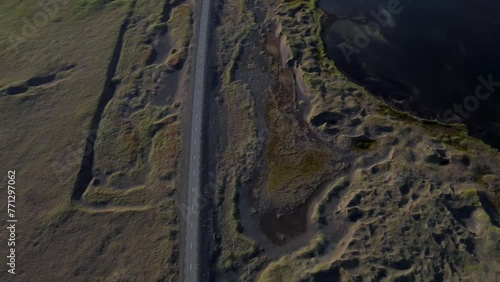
288	166
126	227
292	169
366	196
236	250
181	26
293	267
284	171
236	247
319	212
401	216
293	163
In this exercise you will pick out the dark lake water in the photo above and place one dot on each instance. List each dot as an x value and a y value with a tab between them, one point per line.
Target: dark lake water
436	58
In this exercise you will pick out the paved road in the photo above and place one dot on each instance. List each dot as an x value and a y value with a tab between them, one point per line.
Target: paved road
191	261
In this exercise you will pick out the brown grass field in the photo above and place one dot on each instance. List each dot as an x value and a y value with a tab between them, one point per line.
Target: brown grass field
68	69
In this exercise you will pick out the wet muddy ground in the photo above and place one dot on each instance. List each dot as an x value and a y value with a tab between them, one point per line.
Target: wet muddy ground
277	231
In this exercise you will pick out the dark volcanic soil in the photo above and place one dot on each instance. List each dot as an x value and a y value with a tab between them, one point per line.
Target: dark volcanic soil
427	58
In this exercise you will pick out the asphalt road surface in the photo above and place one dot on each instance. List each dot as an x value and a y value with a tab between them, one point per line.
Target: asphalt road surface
191	258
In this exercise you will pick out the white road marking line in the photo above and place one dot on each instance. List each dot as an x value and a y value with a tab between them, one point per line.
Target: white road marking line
196	151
